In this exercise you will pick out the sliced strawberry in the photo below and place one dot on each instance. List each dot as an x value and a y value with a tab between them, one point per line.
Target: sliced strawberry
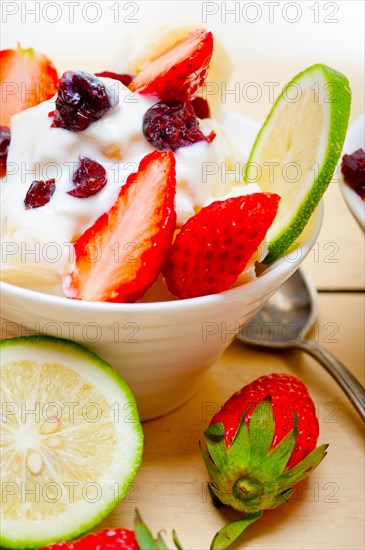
26	78
214	246
121	255
180	71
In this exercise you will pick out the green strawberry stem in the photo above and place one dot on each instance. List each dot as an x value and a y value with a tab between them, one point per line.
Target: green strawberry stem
247	476
176	540
145	539
230	532
143	534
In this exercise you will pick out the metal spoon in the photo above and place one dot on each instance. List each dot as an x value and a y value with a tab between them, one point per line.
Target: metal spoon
285	320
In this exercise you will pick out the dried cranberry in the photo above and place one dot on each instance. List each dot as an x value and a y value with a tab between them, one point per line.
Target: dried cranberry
353	170
201	107
89	179
169	125
125	79
39	193
4	146
81	99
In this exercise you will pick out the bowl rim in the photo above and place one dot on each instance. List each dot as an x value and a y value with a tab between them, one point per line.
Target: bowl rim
354	140
272	274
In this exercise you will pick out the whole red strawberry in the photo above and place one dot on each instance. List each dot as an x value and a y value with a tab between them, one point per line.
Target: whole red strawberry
214	246
259	446
118	539
288	395
109	539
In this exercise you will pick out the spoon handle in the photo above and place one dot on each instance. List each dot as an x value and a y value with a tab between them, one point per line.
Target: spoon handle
352	388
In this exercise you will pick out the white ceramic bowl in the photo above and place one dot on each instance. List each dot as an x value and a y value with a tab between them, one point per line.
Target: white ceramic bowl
162	349
355	139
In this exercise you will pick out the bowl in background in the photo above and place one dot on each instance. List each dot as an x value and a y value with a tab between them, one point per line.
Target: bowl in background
355	139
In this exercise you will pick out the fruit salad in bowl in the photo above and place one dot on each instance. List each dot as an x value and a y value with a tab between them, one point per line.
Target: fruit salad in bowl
127	226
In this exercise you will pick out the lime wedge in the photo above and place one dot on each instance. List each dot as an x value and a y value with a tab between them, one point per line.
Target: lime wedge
71	440
297	149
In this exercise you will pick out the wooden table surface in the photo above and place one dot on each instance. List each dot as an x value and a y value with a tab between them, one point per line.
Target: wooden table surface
170	489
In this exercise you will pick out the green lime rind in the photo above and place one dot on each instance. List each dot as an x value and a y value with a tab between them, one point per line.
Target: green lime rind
339	108
80	351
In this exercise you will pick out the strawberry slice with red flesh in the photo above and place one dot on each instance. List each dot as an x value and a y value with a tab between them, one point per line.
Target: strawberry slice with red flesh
214	246
27	78
122	253
179	72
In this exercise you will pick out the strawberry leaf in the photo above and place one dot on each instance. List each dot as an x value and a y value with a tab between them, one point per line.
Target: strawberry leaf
176	540
281	499
216	495
303	469
262	427
161	543
230	532
143	534
216	501
214	440
278	458
212	469
145	539
216	430
240	450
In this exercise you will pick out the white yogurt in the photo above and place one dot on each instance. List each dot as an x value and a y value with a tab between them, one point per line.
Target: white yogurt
37	243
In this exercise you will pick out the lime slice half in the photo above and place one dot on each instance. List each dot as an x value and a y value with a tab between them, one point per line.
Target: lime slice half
297	149
71	440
